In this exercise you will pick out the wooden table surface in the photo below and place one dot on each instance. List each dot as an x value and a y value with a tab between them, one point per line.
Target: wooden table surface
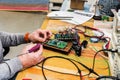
35	72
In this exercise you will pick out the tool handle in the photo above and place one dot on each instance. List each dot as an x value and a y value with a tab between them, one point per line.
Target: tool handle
35	48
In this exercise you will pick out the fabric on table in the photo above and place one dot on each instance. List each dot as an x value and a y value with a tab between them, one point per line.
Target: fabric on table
24	5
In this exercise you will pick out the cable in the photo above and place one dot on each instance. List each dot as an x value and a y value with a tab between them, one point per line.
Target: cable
71	60
107	78
103	77
79	71
57	71
89	69
103	58
94	29
100	51
106	45
101	37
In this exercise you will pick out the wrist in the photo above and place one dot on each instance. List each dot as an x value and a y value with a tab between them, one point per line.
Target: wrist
24	60
26	37
21	58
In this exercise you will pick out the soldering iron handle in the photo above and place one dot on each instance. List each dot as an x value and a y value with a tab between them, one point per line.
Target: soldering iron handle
35	48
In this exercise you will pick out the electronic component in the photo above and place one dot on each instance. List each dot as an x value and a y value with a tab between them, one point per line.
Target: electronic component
94	40
67	35
57	45
84	44
77	49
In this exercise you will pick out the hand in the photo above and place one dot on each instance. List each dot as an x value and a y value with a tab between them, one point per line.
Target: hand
39	35
32	58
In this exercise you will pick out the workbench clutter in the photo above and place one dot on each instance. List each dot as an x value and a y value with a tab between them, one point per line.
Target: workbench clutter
69	38
72	35
66	40
73	66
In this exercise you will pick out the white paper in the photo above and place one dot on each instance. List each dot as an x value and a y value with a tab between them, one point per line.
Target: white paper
77	17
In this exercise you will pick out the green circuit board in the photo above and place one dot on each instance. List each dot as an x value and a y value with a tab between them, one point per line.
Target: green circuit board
57	43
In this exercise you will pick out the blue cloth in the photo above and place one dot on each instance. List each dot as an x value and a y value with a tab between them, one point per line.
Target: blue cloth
25	1
107	5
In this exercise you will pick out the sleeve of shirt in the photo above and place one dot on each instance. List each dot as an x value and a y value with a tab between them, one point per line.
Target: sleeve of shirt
9	68
10	39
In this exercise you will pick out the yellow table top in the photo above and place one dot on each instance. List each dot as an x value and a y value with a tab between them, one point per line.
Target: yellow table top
35	72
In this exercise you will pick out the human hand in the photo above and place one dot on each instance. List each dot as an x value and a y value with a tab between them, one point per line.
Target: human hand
32	58
39	35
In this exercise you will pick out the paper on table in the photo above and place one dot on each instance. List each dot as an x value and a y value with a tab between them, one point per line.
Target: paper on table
60	14
77	17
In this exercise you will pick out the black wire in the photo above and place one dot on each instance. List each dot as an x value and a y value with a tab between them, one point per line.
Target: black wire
96	55
79	71
89	69
104	77
57	71
107	77
110	50
71	60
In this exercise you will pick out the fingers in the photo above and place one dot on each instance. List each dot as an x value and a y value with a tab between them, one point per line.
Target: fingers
44	35
26	48
37	56
40	35
32	58
49	34
39	52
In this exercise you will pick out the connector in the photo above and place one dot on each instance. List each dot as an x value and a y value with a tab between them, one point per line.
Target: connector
113	50
110	50
118	49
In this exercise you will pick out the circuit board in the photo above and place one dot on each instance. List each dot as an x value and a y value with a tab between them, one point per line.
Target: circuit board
67	35
57	45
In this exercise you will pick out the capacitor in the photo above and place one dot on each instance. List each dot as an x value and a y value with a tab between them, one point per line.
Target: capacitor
94	40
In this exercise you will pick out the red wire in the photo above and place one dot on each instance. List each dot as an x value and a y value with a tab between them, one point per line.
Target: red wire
86	27
95	29
108	42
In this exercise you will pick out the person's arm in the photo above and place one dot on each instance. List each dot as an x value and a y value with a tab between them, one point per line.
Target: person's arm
13	39
25	60
10	39
9	68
